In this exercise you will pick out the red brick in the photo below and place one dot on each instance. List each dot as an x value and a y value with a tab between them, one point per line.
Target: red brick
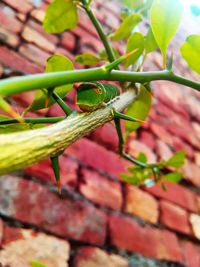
148	241
44	171
68	41
1	231
32	203
34	54
95	257
160	132
191	172
31	35
9	38
23	246
191	254
10	22
135	147
148	139
86	24
15	61
163	150
195	223
141	204
106	135
100	190
17	4
174	217
176	194
97	157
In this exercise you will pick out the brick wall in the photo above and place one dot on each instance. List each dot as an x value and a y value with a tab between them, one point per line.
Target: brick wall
99	220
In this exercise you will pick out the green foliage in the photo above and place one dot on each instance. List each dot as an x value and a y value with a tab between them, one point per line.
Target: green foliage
177	160
165	19
60	15
43	98
18	127
173	177
190	51
136	40
37	264
87	59
150	42
126	27
139	109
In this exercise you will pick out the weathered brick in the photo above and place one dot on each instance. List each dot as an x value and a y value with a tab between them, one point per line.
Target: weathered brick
97	157
141	204
86	24
174	217
9	38
1	70
176	194
34	204
148	139
68	41
148	241
135	147
191	254
100	190
27	247
15	61
163	150
191	172
9	22
44	171
34	54
195	222
95	257
17	4
31	35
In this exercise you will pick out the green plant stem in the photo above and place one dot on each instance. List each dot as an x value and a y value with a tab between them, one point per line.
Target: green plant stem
99	29
61	103
33	120
16	85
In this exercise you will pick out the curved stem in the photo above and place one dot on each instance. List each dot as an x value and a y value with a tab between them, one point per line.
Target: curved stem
37	81
102	35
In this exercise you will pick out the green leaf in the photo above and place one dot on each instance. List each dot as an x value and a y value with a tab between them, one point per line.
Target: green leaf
60	15
165	19
18	127
87	59
177	160
133	4
142	157
54	63
190	51
150	42
126	27
136	40
174	177
37	264
138	109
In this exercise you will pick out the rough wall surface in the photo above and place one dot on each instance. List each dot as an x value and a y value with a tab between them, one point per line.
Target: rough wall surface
99	220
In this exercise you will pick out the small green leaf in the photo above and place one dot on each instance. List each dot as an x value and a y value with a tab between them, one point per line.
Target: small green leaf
60	15
139	109
177	160
150	42
142	157
190	51
136	40
126	27
54	63
37	264
87	59
18	127
174	177
165	19
133	4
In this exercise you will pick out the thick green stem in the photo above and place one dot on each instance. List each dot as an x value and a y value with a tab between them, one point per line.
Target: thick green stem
37	81
22	149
